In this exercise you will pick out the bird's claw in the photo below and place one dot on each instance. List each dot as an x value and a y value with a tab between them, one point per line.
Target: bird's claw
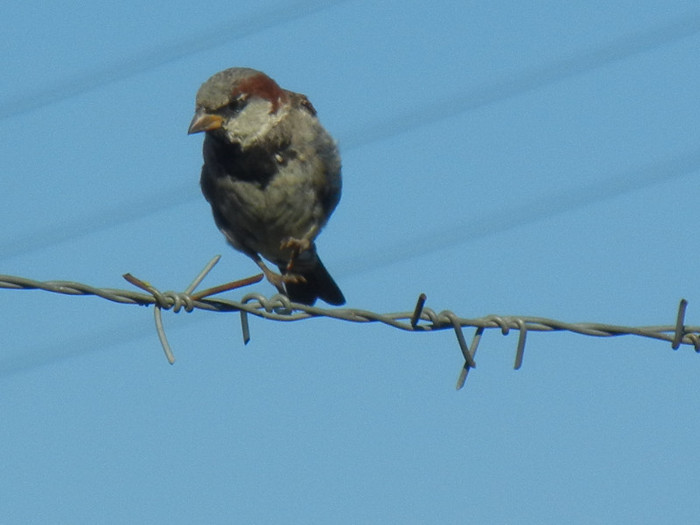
293	278
296	246
278	281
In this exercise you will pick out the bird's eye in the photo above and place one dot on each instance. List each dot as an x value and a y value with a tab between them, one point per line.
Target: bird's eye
238	102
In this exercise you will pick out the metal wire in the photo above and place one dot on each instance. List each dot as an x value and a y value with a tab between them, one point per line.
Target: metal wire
477	97
148	59
419	319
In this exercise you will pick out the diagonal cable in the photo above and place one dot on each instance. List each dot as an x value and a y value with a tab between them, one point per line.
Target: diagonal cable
489	93
530	79
215	36
526	212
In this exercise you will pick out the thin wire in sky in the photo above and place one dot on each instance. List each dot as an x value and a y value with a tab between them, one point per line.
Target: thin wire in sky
529	80
480	96
523	214
215	36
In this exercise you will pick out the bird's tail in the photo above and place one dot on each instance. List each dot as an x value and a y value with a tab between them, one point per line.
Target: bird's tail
319	283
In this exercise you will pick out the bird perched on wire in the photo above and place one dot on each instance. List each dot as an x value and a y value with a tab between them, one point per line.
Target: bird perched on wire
272	176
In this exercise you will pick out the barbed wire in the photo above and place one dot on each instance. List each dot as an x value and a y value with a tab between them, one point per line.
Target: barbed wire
420	319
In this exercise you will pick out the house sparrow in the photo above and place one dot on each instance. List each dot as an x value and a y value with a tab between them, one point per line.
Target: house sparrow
272	176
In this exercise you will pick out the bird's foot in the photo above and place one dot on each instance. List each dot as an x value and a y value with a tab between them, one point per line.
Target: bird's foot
278	280
296	246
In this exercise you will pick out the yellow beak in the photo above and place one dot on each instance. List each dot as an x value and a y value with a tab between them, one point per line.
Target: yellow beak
204	122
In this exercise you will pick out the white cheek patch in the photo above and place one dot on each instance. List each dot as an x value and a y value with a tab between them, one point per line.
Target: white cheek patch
254	121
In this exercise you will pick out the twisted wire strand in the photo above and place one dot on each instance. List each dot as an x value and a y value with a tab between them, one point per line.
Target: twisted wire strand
420	319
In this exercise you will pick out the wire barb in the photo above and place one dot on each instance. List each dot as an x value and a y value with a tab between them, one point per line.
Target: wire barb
228	286
520	350
157	312
465	369
418	309
468	358
245	327
176	301
679	332
197	280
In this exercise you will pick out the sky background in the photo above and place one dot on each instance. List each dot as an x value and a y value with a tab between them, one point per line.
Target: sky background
512	158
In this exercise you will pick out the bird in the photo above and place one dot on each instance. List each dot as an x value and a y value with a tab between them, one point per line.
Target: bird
272	175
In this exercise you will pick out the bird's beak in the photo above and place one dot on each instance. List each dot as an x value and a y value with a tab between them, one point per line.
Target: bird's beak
204	122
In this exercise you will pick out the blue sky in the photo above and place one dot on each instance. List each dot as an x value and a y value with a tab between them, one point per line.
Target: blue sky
512	158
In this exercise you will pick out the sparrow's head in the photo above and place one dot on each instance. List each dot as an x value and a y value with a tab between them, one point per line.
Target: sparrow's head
239	103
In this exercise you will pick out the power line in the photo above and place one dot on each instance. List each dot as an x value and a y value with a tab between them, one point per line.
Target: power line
73	346
420	319
216	35
529	80
139	207
475	98
527	212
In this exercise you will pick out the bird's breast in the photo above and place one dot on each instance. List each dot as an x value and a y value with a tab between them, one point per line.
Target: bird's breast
258	213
